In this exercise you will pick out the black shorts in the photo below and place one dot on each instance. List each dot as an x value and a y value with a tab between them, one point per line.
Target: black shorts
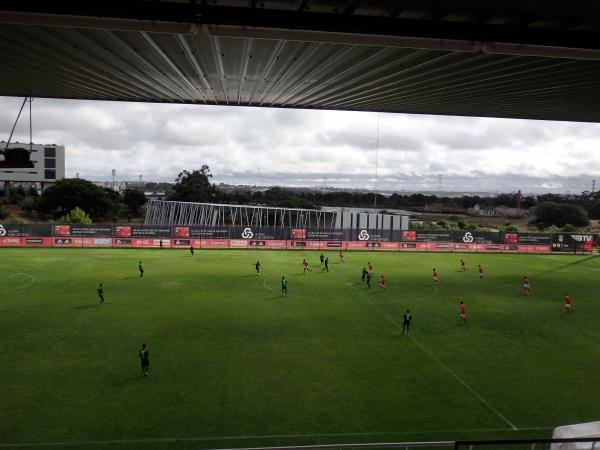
145	363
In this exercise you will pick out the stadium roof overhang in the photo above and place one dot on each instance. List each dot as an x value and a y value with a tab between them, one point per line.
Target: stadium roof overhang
496	58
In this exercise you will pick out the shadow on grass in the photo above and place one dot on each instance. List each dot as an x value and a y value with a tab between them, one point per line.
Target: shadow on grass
564	266
92	305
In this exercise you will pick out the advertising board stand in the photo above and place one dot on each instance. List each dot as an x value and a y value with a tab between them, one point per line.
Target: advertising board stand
108	235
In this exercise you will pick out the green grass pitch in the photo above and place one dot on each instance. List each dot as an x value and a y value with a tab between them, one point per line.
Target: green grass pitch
233	363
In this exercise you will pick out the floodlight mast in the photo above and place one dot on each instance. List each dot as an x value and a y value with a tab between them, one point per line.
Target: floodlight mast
18	157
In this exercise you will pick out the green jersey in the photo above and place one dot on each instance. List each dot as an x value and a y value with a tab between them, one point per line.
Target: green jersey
100	292
407	317
283	283
144	354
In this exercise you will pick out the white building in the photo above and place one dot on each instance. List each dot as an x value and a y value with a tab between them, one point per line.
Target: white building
47	164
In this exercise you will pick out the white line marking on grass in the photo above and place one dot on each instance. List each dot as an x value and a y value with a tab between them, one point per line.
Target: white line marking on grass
32	280
436	359
265	436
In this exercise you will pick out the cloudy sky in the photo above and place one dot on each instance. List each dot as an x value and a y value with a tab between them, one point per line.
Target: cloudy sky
308	148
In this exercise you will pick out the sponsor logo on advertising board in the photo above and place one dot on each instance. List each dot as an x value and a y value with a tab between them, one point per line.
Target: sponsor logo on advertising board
335	244
181	242
373	244
582	237
298	244
62	230
181	231
511	238
298	233
442	245
247	233
461	246
63	241
257	243
122	231
123	241
34	241
468	237
102	241
363	235
2	230
409	244
410	235
494	247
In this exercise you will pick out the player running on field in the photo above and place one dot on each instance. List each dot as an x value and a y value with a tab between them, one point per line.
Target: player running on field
481	272
568	305
341	256
436	279
364	274
322	259
326	266
141	269
370	269
305	264
406	323
284	286
526	285
463	312
382	283
463	266
368	280
192	250
100	293
144	358
257	265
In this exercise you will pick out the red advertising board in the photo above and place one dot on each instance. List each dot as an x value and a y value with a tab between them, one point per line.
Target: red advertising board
10	241
214	243
36	241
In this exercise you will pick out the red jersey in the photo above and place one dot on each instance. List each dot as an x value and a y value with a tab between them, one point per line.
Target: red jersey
463	309
480	269
567	300
305	264
381	281
434	274
526	280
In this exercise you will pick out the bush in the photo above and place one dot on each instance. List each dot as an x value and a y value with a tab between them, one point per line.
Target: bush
76	215
3	212
30	205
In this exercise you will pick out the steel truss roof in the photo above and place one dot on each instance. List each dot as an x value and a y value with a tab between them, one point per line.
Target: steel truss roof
495	58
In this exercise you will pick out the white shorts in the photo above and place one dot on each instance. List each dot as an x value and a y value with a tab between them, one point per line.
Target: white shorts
525	285
435	279
481	274
463	316
568	306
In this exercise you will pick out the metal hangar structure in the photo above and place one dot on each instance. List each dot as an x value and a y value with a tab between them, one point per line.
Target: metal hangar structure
494	58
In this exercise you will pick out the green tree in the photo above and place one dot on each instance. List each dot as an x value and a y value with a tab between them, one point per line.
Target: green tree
30	205
547	214
194	186
76	215
67	194
134	199
285	198
3	212
594	210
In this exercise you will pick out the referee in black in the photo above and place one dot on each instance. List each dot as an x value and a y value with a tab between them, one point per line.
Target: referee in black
145	360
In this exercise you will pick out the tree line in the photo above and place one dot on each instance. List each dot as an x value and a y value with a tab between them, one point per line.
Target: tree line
59	200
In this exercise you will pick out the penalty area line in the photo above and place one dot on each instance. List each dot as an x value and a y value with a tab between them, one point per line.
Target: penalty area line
436	359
